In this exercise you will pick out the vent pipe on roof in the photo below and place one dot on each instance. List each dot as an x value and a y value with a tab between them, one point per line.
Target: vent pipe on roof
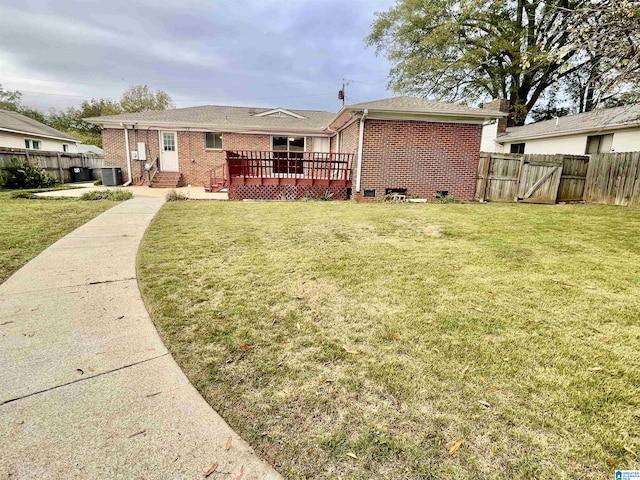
557	121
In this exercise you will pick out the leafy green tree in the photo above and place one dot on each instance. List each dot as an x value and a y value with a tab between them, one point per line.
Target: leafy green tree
140	98
10	100
513	49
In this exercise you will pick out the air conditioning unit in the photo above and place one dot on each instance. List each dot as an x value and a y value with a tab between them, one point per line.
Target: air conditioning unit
111	176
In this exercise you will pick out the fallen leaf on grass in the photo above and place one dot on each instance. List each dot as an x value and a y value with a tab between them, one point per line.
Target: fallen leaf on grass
246	346
211	470
489	338
465	369
484	404
137	433
396	336
483	380
21	422
597	357
7	322
491	294
352	455
611	461
455	447
352	352
241	474
228	445
325	380
493	388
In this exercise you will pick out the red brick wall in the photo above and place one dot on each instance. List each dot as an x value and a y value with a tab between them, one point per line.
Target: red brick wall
194	159
423	157
115	154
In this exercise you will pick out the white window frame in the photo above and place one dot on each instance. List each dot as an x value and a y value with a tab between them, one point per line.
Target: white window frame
289	136
221	140
31	144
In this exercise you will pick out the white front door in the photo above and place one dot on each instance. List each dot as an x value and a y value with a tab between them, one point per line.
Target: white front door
169	152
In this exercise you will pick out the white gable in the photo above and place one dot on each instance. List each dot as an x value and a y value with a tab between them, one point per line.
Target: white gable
278	112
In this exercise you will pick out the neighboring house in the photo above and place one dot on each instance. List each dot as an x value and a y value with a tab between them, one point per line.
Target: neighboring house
403	145
89	149
20	132
599	131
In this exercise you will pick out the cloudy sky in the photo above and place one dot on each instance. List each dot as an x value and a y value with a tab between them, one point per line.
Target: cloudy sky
290	53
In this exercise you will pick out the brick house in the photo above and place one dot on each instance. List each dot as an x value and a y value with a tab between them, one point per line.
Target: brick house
402	145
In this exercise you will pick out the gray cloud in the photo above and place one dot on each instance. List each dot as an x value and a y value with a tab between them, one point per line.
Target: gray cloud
247	52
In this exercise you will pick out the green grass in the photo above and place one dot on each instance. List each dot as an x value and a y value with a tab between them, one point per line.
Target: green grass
321	330
28	226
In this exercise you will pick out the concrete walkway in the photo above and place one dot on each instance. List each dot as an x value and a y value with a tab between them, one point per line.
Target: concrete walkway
193	193
87	388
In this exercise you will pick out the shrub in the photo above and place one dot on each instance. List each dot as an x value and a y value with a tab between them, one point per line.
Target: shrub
325	197
28	195
21	175
98	182
441	198
117	195
176	196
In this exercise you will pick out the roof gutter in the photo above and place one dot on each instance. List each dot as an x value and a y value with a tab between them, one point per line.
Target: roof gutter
365	112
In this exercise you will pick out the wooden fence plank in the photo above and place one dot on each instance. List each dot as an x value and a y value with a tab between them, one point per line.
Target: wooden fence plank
57	164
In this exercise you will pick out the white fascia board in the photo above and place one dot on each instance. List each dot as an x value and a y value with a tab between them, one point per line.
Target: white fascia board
31	134
565	133
140	126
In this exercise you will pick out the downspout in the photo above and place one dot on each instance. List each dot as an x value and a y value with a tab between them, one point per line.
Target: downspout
360	144
126	149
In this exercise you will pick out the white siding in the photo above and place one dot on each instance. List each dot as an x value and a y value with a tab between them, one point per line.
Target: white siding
489	133
623	141
16	140
626	141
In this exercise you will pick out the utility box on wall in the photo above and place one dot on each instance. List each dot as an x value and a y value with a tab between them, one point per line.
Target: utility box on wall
142	151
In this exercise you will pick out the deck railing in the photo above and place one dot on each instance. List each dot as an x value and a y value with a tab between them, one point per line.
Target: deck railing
249	167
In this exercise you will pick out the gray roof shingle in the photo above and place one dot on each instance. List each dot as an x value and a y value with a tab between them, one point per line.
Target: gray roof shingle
10	120
216	116
423	105
596	120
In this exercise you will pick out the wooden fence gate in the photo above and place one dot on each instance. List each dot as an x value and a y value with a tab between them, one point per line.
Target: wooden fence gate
504	177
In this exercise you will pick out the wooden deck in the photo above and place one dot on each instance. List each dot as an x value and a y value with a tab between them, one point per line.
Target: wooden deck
250	167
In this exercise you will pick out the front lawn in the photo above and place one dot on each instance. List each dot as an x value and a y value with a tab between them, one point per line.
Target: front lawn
364	341
29	226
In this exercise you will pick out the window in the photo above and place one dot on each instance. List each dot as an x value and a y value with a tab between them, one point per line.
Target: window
65	147
599	144
517	148
288	153
168	142
213	140
369	194
32	144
